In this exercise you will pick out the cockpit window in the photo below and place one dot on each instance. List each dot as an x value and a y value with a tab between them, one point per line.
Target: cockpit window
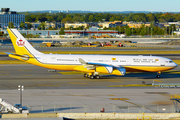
170	61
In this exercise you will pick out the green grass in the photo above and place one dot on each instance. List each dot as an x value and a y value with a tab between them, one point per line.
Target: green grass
131	85
177	61
109	47
12	62
71	73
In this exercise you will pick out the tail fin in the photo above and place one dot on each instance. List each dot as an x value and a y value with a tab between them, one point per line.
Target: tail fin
21	45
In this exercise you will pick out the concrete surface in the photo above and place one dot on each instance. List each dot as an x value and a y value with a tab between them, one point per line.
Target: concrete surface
51	92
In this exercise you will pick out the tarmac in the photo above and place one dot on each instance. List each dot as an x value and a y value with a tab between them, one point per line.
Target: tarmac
54	92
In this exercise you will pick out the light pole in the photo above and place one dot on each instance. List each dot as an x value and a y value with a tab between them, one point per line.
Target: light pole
20	88
164	32
83	32
71	30
132	30
115	30
172	31
151	32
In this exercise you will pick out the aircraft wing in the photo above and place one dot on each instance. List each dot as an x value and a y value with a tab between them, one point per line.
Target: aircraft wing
103	68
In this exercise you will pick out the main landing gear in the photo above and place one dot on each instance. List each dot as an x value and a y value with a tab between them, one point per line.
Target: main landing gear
92	76
158	74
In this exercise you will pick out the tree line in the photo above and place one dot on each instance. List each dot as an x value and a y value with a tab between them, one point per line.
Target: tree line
100	17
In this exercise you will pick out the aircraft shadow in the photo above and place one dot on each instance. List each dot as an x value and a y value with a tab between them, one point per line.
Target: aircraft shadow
144	75
52	110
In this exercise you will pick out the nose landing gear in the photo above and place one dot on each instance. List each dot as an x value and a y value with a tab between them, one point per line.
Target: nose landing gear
158	74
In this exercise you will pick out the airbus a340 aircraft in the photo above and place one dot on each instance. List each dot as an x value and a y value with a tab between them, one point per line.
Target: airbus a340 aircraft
91	65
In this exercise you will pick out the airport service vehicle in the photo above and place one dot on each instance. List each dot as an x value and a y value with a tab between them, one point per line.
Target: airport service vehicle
91	65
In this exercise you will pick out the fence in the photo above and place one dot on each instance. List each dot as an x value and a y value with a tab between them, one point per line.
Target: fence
96	108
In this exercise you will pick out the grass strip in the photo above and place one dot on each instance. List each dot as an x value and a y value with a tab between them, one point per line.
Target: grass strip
177	61
71	73
12	62
131	85
109	47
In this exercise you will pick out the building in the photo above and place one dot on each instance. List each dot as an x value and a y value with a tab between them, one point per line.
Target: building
110	24
7	16
40	32
93	31
138	24
75	25
35	25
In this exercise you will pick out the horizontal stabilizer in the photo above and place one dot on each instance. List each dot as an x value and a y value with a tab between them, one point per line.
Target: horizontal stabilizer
8	53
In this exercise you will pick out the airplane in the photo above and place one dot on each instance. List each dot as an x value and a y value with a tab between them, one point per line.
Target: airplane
91	65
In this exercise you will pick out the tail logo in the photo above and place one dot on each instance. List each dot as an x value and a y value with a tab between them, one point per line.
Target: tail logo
20	43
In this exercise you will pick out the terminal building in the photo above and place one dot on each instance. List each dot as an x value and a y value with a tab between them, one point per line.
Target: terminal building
7	16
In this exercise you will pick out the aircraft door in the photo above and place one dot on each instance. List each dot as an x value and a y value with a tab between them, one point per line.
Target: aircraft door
162	62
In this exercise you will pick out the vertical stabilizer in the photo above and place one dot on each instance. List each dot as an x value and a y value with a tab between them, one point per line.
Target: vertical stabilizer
21	45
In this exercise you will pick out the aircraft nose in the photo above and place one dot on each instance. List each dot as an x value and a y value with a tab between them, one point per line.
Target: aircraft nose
175	65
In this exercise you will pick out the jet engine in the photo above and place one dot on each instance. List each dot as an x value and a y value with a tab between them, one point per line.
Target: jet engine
111	70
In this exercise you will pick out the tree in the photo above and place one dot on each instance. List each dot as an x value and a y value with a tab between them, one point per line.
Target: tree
64	20
22	25
76	19
23	34
42	17
128	31
28	19
29	26
112	19
11	25
80	28
1	34
33	18
91	18
50	18
42	26
151	18
61	32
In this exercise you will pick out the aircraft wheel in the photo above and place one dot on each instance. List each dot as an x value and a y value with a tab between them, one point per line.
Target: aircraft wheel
85	75
91	77
97	77
158	76
88	75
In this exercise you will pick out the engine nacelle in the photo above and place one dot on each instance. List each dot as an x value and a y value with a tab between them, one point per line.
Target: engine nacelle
119	71
111	70
104	69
